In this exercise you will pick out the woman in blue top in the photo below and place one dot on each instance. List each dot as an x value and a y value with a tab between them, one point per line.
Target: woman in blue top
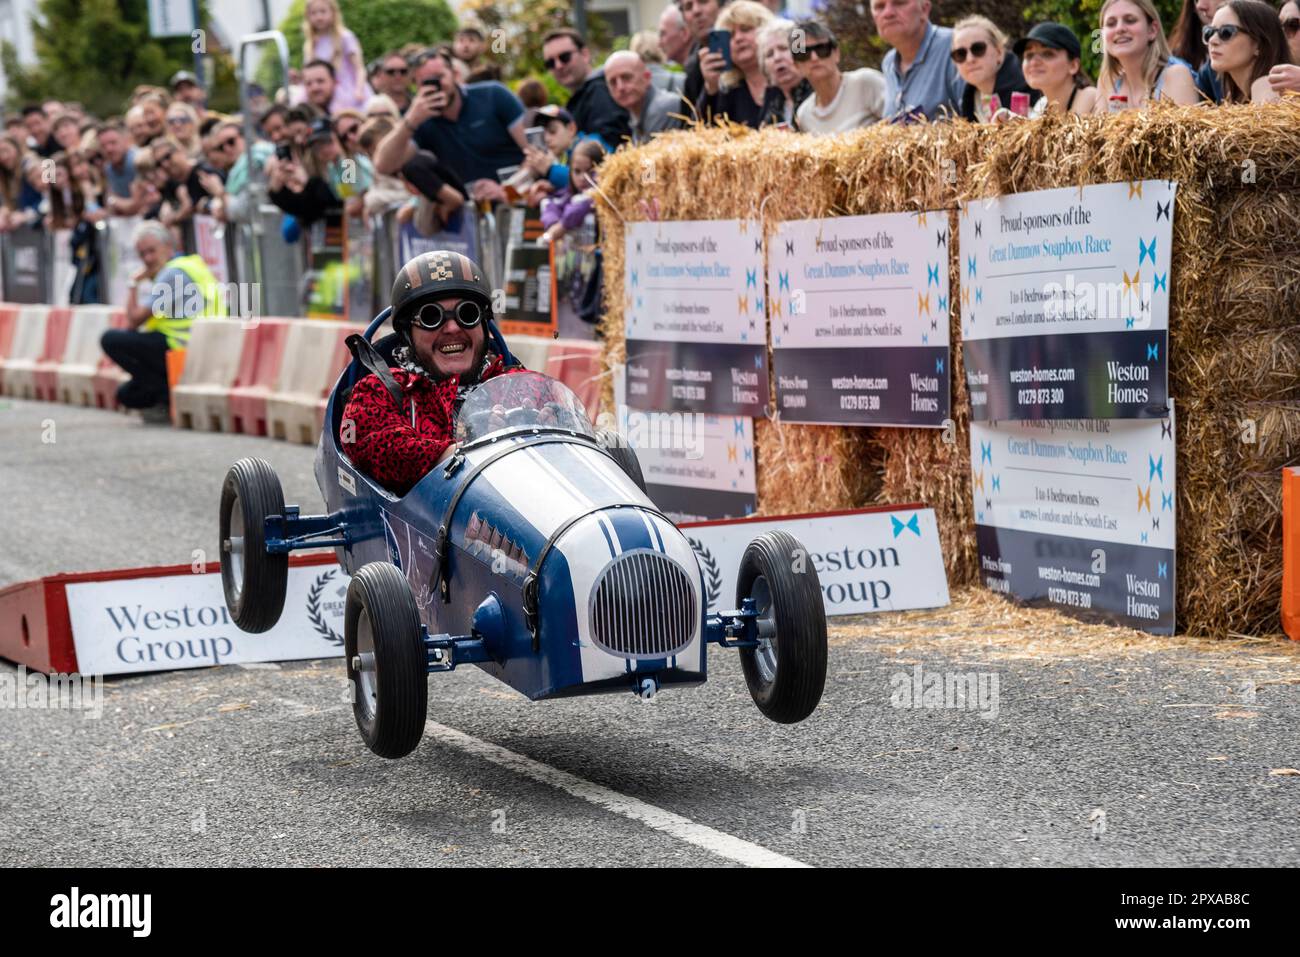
1136	66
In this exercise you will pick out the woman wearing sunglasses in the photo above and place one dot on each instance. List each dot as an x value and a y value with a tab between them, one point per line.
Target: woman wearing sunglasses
991	71
1285	77
442	313
1136	67
839	101
1245	41
183	126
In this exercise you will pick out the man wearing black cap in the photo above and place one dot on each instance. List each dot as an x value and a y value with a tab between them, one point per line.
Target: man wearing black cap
398	423
1049	56
185	87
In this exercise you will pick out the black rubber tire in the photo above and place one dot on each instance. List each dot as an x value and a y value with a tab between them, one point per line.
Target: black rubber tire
799	616
623	454
394	723
255	603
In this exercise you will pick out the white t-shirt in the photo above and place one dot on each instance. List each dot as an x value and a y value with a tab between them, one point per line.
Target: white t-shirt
859	102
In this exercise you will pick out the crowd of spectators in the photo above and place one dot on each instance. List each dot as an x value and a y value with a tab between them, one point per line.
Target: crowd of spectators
428	130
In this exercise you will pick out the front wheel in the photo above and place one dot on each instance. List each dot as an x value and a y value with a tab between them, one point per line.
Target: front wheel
387	669
254	581
787	671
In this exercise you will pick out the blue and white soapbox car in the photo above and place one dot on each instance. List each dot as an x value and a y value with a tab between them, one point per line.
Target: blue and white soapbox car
532	551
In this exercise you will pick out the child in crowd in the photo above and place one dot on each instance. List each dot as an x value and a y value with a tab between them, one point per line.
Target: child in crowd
551	165
570	206
328	39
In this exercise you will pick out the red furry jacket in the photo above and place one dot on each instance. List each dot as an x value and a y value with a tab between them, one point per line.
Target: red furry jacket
398	447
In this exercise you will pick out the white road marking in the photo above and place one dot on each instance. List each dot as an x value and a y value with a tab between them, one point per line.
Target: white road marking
682	828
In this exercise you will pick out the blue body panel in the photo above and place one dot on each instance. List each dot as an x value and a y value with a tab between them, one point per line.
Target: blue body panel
404	530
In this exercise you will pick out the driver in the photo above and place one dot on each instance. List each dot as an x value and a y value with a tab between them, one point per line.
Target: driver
442	307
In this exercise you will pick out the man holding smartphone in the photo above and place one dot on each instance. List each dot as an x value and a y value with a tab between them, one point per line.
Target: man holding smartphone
474	129
700	15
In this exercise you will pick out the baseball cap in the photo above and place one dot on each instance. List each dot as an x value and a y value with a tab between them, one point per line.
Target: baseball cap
552	112
321	129
1055	35
183	76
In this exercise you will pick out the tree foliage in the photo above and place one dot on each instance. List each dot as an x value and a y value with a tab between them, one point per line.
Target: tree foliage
94	52
380	25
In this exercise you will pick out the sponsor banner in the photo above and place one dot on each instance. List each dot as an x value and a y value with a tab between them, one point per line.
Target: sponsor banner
210	243
181	621
24	265
1065	302
695	320
696	466
859	312
869	560
1079	514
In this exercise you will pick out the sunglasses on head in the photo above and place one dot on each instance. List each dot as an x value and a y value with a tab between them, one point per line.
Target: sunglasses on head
1224	33
823	50
432	315
562	59
976	50
1291	26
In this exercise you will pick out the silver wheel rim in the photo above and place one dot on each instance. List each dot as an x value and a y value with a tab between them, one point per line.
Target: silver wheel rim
235	548
367	677
765	653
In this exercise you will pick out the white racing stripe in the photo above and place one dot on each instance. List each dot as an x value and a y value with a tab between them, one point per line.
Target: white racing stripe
682	828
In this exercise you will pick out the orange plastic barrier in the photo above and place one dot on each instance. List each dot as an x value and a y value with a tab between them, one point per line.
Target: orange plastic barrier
1291	552
175	369
259	367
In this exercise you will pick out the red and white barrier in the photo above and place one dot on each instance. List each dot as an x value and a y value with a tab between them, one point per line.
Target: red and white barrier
577	365
201	398
25	350
314	357
8	324
75	375
45	375
259	368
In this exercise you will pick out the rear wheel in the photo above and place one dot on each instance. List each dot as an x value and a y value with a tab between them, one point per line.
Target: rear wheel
622	453
254	582
386	663
787	671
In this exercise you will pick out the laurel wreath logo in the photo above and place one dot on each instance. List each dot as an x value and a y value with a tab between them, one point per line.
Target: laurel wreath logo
314	615
712	573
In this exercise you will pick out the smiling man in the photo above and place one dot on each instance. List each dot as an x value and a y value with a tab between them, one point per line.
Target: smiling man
399	422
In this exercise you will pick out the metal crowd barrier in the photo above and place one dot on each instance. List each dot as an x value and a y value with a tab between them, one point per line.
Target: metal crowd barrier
36	266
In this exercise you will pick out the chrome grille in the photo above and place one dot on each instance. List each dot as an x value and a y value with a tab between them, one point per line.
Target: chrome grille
643	606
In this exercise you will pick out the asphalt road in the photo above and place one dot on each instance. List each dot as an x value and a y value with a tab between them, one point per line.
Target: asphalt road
1092	758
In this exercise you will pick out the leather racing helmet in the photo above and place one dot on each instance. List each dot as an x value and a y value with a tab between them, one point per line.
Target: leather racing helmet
432	276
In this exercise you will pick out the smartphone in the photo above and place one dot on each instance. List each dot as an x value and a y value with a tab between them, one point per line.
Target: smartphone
1020	104
433	81
719	41
284	152
535	138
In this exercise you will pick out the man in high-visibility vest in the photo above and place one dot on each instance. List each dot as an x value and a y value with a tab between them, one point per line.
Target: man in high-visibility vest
166	296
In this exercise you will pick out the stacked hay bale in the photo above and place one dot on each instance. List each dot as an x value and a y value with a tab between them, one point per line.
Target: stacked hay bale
1234	316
